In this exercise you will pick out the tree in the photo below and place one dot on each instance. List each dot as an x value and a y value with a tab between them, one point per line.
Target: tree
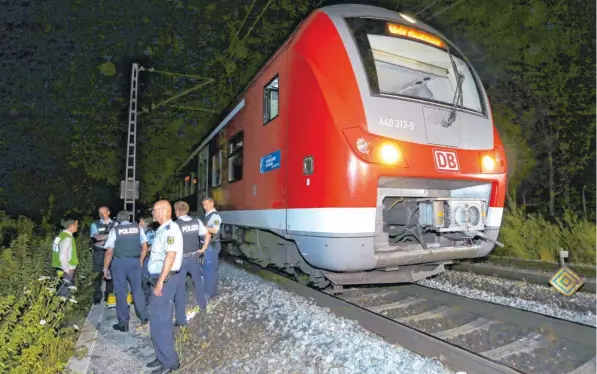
538	63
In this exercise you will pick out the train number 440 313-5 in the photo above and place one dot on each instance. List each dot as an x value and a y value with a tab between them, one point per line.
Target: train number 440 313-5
397	123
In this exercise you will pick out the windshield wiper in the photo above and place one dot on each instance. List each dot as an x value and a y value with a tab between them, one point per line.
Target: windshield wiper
457	100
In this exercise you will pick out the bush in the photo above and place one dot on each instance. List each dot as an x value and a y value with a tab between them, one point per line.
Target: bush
530	236
38	330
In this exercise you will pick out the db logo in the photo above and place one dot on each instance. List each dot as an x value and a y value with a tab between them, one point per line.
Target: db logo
446	160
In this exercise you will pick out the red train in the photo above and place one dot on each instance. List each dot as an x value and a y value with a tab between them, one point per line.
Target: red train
363	152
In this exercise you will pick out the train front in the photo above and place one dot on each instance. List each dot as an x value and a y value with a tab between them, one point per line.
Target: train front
433	160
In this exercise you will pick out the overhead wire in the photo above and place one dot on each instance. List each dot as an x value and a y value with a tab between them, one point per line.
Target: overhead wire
191	108
246	17
265	7
256	20
163	72
443	10
207	80
428	6
227	53
172	98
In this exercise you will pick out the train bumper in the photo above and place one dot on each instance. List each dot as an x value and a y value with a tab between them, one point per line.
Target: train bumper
445	206
345	254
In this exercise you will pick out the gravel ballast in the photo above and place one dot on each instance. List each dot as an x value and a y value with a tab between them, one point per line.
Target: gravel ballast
255	326
579	307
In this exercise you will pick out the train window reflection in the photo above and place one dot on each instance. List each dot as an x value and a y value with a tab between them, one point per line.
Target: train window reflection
216	169
398	66
270	100
235	158
410	68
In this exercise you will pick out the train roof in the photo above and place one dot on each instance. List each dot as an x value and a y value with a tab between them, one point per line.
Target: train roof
370	11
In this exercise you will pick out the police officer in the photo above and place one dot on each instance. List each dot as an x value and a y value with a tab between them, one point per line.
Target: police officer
124	247
64	255
99	234
146	224
212	221
164	265
191	229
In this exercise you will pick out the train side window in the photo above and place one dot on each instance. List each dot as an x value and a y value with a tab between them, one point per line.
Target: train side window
235	157
270	100
216	169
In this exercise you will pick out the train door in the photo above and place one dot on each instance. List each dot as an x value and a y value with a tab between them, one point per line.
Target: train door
272	148
202	172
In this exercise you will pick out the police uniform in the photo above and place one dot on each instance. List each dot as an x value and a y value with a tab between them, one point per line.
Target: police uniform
191	229
64	258
99	249
126	240
150	235
210	262
145	284
168	239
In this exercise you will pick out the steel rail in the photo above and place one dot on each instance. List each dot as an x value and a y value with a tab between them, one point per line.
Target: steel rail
561	328
516	274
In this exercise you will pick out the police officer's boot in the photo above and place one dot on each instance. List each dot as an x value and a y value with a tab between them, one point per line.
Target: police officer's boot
154	364
163	370
119	327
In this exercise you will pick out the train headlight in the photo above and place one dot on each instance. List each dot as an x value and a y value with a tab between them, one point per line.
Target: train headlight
488	163
493	162
375	149
389	154
474	216
363	146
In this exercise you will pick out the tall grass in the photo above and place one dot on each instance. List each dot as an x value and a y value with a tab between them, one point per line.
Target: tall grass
530	236
38	329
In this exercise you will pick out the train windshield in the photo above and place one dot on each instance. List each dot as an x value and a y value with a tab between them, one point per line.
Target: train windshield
406	67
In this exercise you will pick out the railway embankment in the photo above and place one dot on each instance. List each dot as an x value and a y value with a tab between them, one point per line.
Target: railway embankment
255	326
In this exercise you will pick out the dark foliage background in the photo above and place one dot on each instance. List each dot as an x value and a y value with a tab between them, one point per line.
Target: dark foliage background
65	75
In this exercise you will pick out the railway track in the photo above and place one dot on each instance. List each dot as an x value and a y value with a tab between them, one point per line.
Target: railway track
465	334
538	276
525	341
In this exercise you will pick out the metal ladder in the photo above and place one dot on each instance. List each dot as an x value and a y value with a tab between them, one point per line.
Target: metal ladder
131	147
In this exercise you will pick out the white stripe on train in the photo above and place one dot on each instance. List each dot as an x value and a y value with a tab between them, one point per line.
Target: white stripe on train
321	220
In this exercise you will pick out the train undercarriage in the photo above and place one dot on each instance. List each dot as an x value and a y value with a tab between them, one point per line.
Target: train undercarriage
268	249
422	235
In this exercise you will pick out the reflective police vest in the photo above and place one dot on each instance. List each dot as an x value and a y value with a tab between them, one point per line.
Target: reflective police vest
102	228
74	261
128	241
214	237
190	235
